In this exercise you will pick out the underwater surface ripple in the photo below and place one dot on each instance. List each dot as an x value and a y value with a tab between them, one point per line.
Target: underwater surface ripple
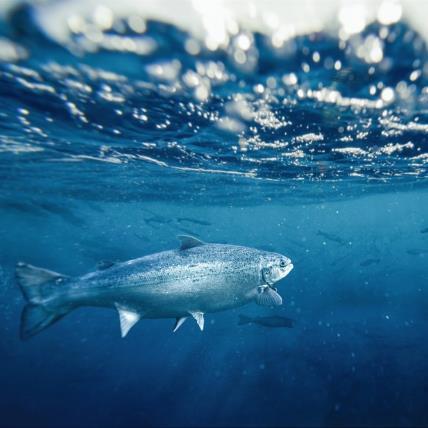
144	98
119	131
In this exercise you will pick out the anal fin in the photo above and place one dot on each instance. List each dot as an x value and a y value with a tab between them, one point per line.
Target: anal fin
128	318
199	317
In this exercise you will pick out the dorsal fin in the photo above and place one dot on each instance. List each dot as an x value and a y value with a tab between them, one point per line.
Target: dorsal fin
188	241
105	264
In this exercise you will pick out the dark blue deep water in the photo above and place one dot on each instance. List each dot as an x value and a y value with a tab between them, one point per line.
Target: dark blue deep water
122	132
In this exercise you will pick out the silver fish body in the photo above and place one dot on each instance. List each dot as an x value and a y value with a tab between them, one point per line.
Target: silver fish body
196	279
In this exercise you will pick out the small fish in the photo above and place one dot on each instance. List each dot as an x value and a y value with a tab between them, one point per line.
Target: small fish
424	230
141	236
369	262
194	221
417	252
157	221
331	237
63	212
273	321
195	279
21	206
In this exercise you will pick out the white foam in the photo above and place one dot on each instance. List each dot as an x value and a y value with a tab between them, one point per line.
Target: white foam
213	22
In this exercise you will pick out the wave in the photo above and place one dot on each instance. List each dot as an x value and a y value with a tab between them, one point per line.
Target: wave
104	88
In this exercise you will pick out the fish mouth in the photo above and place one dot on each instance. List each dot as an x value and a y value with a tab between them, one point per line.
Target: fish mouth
288	269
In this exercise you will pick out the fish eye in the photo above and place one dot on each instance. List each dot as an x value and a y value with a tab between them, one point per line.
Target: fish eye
282	264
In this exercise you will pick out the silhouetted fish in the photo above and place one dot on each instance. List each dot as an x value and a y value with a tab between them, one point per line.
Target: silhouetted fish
273	321
331	237
192	220
369	262
20	206
141	236
417	252
157	220
64	212
425	230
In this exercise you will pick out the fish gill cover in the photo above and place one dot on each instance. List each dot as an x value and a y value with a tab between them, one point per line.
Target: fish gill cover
125	123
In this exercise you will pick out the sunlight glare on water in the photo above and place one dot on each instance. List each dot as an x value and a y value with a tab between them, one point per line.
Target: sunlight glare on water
260	105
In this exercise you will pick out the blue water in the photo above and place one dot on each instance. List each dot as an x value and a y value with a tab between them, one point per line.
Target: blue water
113	144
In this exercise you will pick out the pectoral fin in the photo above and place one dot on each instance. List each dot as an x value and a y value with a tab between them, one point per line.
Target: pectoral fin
178	323
267	296
128	318
199	317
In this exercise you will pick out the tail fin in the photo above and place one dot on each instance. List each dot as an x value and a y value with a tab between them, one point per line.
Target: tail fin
31	280
36	316
243	319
